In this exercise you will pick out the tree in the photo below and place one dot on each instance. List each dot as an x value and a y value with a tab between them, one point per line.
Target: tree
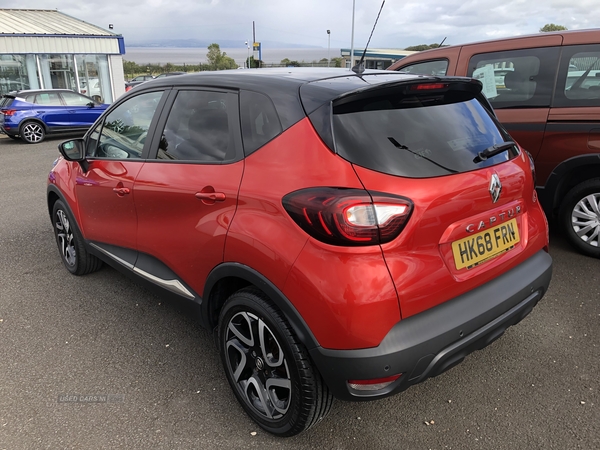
552	27
218	60
421	47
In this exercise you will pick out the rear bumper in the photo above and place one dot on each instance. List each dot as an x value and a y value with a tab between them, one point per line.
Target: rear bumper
433	341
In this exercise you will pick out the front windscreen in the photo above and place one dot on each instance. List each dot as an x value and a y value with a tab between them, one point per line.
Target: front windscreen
419	136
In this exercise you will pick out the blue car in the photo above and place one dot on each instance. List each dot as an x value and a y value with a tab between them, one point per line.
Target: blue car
32	114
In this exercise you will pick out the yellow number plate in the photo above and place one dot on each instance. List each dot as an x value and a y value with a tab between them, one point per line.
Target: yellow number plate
473	250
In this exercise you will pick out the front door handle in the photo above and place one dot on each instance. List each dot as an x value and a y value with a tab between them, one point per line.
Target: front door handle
121	191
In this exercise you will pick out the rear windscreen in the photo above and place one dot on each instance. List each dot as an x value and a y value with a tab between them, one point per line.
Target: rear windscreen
419	136
6	101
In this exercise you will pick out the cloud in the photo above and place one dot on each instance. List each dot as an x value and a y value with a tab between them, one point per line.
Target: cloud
401	24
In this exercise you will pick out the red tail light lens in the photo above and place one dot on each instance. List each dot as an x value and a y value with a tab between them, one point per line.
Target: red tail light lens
348	217
128	88
9	112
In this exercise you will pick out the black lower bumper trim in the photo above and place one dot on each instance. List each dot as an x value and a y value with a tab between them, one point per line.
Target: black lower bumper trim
435	340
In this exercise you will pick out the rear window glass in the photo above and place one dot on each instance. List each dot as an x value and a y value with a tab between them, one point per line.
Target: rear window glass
6	101
400	136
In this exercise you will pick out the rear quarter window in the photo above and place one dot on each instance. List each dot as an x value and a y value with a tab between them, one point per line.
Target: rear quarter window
260	122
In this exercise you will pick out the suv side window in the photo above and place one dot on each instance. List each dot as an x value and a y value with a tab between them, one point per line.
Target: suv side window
197	128
579	76
73	99
48	99
260	122
439	67
123	131
517	77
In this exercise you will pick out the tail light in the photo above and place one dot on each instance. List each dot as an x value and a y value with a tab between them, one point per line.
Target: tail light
532	167
128	88
9	112
348	217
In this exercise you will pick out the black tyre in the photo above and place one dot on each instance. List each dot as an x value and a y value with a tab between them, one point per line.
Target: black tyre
70	242
580	217
32	132
268	368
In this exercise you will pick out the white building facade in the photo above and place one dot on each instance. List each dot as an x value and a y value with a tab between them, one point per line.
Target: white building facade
46	49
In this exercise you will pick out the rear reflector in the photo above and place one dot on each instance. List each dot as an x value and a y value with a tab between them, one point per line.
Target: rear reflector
374	384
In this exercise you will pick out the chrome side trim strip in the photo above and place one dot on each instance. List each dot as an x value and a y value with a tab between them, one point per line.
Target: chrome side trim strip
171	285
116	258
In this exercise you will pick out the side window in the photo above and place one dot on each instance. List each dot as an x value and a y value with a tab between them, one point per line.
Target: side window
124	129
48	99
517	77
579	76
197	128
73	99
260	122
438	68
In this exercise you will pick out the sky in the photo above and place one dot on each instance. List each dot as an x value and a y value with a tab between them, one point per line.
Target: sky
305	23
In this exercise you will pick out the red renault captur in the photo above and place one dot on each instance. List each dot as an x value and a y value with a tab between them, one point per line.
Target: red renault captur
347	235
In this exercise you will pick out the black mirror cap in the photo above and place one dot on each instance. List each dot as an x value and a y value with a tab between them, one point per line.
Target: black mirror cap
73	150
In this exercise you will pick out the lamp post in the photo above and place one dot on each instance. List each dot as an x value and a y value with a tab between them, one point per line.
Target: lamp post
247	57
328	47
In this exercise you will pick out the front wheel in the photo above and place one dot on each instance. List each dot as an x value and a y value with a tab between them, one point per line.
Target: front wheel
70	242
580	217
32	132
268	368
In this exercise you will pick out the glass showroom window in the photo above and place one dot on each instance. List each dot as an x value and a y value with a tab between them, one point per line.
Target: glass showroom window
18	72
58	72
94	77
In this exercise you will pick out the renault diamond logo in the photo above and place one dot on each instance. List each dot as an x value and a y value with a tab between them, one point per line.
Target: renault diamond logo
495	188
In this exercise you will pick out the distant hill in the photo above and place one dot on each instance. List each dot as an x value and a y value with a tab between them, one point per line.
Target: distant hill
204	43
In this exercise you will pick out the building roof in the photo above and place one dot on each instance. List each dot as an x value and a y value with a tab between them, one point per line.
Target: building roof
34	22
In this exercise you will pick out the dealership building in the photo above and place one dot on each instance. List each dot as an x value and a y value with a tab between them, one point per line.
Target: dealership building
46	49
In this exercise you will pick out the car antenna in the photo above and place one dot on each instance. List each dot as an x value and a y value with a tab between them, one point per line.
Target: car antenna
443	40
359	68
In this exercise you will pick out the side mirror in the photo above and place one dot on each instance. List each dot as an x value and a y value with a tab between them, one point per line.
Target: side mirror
91	105
74	150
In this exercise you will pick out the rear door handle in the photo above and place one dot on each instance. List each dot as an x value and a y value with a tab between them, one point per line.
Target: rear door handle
210	197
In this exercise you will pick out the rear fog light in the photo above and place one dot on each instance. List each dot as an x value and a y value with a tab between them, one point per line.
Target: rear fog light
374	384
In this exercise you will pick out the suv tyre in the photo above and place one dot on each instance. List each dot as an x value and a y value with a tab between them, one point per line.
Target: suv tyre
32	132
580	217
70	242
268	368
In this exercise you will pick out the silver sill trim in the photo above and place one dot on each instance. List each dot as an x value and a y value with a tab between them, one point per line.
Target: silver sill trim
171	285
116	258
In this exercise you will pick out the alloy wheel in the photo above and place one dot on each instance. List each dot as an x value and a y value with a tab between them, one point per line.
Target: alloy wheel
32	132
258	365
585	219
66	240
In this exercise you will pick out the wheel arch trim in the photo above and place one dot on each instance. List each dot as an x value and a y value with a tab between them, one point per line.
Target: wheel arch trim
551	192
261	282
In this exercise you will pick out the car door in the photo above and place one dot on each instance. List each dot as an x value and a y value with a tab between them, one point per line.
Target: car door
116	150
82	110
50	108
573	126
186	196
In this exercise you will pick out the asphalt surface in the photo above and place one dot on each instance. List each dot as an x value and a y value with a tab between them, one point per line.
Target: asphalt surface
99	335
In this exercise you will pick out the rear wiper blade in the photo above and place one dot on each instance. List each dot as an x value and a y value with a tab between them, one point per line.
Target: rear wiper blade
493	151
